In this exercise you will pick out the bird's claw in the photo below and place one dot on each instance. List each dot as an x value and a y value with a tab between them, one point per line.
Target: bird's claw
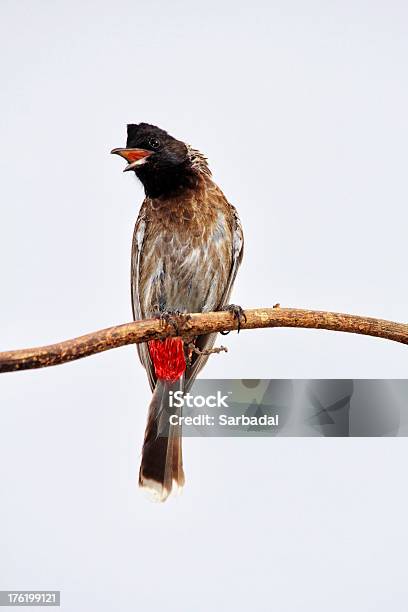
238	314
175	318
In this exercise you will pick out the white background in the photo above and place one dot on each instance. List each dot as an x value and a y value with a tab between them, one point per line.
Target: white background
302	111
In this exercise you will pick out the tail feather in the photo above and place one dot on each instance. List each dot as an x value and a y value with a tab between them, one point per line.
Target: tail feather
162	463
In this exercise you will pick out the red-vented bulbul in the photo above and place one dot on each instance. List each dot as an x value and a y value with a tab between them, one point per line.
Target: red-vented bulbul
187	247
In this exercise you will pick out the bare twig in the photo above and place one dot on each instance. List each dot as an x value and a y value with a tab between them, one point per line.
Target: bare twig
212	351
197	324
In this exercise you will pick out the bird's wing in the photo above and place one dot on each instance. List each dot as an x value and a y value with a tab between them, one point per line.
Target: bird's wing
237	254
137	242
207	341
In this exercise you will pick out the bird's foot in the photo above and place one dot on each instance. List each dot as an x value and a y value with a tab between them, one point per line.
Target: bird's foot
175	318
238	314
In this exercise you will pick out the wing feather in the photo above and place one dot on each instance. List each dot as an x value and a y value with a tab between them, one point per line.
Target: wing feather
207	341
137	243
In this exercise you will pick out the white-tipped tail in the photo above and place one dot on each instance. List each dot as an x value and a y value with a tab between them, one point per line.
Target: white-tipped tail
161	469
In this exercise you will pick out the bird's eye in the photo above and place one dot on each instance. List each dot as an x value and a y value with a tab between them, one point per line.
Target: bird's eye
154	143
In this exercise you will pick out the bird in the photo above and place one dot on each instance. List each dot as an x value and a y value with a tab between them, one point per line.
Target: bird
186	250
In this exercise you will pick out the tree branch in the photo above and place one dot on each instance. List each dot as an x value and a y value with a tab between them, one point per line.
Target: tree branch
195	325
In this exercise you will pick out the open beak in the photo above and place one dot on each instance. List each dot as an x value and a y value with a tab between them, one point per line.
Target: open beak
134	157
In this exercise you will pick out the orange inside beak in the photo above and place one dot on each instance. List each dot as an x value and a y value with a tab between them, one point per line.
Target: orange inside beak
133	156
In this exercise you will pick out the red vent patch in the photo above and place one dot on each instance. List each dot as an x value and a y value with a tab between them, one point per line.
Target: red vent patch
168	358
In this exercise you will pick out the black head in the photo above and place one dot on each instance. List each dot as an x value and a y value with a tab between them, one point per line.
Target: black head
161	162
